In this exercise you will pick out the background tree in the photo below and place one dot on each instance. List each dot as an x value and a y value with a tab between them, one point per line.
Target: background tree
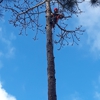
95	2
1	9
26	15
1	1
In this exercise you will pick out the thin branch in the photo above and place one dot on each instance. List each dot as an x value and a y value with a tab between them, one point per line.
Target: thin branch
63	36
39	4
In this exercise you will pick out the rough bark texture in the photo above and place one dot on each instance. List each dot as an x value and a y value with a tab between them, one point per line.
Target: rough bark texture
50	56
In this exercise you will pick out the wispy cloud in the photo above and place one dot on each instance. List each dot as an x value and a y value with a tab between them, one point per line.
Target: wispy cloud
97	89
1	54
90	20
4	95
7	49
1	65
97	95
75	96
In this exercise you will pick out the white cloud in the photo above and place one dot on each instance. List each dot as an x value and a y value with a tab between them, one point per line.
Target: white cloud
97	89
10	52
75	96
4	95
1	65
8	49
90	20
1	54
12	36
97	95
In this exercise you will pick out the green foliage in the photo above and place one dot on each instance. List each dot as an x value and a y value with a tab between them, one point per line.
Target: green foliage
1	1
95	2
70	6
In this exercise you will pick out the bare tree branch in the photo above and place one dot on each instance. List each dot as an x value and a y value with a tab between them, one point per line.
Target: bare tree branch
39	4
25	15
64	35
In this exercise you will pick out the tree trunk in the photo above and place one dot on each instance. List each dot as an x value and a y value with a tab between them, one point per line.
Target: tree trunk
50	56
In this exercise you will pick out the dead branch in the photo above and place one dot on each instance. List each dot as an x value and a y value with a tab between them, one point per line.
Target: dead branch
39	4
64	35
26	14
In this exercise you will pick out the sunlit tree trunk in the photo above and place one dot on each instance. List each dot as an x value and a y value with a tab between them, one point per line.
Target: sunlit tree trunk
50	56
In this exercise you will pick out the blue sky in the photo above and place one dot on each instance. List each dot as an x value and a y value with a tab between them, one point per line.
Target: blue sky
23	64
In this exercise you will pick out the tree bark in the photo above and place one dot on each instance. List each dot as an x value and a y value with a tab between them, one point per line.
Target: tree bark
50	56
